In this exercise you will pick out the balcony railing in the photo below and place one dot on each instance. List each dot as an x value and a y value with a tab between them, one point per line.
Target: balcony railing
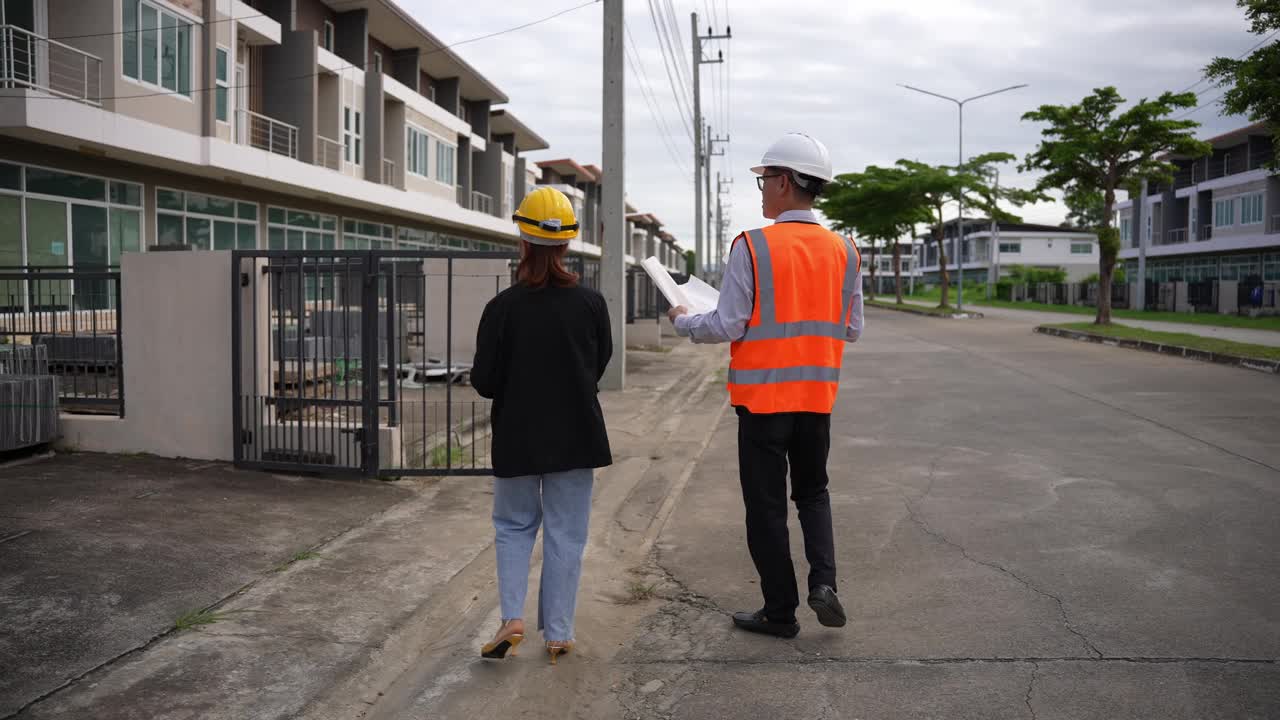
1176	236
30	61
1275	224
389	176
328	153
1208	232
481	202
268	134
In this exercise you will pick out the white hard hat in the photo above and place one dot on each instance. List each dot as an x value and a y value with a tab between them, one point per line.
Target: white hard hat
798	152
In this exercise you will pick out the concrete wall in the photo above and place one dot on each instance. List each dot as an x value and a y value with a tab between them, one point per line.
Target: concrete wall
644	334
475	283
488	175
374	105
290	71
177	358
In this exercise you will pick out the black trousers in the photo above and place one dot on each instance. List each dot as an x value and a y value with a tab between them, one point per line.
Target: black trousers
767	444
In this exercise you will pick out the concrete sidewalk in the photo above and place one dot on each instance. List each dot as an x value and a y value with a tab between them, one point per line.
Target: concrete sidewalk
403	580
1037	317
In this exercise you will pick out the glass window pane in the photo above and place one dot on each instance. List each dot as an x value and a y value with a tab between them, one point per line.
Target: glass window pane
246	236
168	229
296	239
168	51
211	205
169	199
276	215
184	59
10	176
329	222
303	219
89	236
220	103
221	69
126	194
198	233
315	241
348	226
47	247
126	233
224	235
275	239
248	211
129	38
150	44
10	236
52	182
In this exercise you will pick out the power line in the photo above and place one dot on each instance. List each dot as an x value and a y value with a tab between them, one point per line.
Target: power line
637	69
679	63
1256	45
425	53
1189	113
666	63
683	53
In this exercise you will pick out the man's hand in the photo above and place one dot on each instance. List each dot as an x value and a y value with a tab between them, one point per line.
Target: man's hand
676	312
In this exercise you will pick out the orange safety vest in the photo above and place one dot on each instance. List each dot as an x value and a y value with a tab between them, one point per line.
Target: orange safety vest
789	359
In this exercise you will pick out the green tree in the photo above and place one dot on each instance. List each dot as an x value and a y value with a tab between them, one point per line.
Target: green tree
936	186
881	205
1084	209
1092	147
690	261
1255	80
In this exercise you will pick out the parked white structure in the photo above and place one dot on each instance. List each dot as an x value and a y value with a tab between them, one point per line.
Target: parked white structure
989	255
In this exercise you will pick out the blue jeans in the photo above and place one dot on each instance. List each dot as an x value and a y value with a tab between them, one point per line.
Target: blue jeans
561	503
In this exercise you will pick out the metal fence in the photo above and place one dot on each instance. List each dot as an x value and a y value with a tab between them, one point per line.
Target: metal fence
31	61
588	270
74	314
642	296
359	361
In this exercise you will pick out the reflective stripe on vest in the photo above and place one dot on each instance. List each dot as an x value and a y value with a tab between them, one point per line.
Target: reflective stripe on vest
802	373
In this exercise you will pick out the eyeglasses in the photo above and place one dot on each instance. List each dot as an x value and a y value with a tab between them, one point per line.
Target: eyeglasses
761	178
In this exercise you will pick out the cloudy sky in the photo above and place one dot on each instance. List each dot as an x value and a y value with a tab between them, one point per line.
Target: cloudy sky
830	68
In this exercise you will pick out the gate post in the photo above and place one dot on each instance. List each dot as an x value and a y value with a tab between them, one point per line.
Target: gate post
369	366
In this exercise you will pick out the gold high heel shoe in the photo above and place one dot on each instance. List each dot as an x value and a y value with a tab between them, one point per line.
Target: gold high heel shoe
501	645
556	648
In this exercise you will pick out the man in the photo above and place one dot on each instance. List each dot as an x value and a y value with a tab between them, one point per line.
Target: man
791	297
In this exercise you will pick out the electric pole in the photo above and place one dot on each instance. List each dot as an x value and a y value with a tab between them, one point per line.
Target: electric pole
613	200
720	221
700	245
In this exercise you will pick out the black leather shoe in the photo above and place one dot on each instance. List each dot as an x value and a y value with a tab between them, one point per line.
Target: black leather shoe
756	622
824	602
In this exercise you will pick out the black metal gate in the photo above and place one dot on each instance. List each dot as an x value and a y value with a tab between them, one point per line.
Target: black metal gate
359	361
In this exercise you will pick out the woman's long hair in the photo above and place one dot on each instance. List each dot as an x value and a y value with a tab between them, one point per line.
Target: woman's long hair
543	265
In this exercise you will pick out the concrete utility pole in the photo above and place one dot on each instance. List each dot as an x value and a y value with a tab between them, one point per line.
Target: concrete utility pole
1139	226
613	200
700	243
712	254
720	221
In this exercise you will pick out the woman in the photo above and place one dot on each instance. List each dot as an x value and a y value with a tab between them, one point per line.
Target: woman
541	349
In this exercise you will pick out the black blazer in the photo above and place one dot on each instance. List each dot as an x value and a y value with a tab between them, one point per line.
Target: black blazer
540	354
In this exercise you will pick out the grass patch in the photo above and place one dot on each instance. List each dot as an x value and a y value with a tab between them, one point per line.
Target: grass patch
298	557
1195	342
978	297
638	592
442	457
197	619
938	311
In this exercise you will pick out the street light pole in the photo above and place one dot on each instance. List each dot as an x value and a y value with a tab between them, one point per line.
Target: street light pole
960	182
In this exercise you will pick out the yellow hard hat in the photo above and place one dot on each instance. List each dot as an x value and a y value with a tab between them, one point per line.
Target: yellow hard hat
546	217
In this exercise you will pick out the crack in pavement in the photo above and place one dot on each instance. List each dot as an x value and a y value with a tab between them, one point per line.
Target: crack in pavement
1062	610
918	661
1031	686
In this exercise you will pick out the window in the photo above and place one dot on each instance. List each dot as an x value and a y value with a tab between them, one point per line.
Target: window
205	222
377	61
326	38
1239	267
445	157
1081	248
156	46
220	81
1251	209
1224	212
298	230
1011	247
351	136
1271	266
1126	231
415	151
358	235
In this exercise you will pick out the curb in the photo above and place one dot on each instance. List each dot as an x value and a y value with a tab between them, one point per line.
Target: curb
925	313
1271	367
